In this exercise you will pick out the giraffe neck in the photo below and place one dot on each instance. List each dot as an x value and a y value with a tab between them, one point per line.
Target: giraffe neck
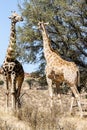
47	45
12	44
48	51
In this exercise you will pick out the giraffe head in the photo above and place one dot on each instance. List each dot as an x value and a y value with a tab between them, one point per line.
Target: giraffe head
15	17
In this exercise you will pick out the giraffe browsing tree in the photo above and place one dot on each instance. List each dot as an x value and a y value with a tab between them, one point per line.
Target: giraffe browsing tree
59	70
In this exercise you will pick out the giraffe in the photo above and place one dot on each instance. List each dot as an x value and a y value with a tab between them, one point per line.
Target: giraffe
59	70
11	68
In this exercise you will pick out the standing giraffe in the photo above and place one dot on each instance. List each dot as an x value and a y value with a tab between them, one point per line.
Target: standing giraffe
12	69
59	70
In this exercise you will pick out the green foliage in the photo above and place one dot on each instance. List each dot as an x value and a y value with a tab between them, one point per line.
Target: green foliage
67	30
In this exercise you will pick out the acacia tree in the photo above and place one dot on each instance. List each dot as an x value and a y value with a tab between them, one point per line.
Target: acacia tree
67	31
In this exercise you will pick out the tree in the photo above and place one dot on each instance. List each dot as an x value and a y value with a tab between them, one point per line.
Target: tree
67	31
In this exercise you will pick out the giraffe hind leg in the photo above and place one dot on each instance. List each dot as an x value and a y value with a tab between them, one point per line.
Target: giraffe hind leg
71	105
18	90
76	94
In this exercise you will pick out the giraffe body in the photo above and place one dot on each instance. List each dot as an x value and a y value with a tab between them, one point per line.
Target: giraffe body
59	70
63	70
12	69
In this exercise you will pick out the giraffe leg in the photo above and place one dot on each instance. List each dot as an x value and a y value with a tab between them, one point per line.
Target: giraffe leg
13	91
76	94
49	81
60	102
59	96
20	81
7	93
51	96
72	101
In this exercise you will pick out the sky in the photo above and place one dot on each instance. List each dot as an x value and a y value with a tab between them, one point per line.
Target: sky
5	11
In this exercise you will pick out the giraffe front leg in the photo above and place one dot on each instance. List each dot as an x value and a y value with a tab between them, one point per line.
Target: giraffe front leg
59	95
49	81
7	93
13	91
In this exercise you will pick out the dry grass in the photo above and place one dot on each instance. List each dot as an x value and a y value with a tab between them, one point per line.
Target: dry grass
9	122
35	112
